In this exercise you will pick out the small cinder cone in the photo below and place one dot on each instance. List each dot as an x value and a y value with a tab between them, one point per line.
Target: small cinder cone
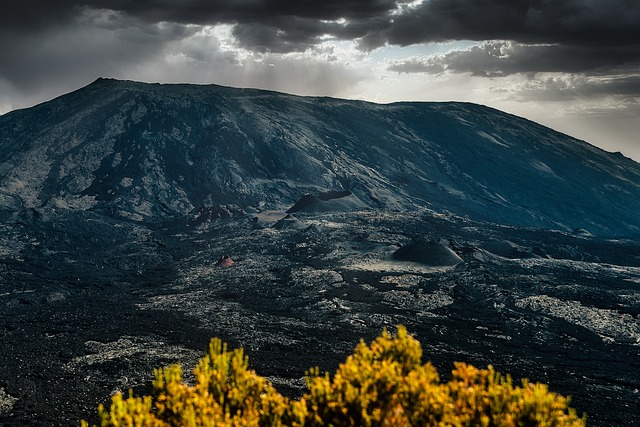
427	252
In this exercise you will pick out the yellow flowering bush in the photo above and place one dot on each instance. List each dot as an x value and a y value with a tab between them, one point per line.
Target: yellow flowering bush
382	384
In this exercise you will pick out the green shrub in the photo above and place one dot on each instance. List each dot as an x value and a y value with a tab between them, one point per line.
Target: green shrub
382	384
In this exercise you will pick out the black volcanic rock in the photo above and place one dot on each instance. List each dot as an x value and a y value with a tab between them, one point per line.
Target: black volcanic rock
149	152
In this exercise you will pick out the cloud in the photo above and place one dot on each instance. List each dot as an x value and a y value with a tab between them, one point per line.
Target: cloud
59	58
298	36
284	16
504	58
99	43
608	30
376	22
622	91
573	22
45	43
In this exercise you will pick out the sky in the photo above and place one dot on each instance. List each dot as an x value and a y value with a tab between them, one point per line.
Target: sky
572	65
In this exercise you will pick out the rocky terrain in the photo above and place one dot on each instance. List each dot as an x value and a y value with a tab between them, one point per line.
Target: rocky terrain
493	239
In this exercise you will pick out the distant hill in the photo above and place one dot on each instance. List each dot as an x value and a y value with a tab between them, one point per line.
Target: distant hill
151	152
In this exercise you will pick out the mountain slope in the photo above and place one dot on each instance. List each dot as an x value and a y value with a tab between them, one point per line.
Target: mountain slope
153	152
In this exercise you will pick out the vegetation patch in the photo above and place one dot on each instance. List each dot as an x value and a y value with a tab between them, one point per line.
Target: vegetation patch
381	384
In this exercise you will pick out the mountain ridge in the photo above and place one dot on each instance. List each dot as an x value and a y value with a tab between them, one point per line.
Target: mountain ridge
158	151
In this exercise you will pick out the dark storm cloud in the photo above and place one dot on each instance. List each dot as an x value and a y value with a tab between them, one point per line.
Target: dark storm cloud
283	25
574	22
528	21
300	35
34	14
36	36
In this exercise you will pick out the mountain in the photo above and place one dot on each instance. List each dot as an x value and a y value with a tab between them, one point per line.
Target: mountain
137	221
151	152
